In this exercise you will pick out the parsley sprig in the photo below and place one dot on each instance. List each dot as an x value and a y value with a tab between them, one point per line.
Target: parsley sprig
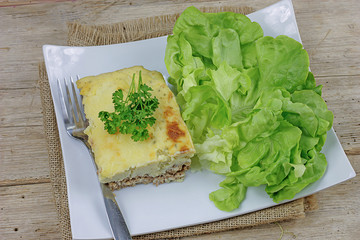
134	114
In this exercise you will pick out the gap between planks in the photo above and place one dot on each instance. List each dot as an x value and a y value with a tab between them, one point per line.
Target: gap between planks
24	181
330	76
352	152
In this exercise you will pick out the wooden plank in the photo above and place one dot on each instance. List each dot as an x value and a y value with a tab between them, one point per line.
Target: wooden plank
28	212
329	31
20	107
24	155
342	95
20	45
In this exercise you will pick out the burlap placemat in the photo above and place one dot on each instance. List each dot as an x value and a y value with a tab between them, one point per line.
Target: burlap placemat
92	35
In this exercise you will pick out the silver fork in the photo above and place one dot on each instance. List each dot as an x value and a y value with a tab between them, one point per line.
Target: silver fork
75	124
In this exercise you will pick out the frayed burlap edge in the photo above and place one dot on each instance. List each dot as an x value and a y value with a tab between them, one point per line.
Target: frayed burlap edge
133	30
92	35
287	211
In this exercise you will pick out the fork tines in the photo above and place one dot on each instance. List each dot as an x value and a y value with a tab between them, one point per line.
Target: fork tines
70	99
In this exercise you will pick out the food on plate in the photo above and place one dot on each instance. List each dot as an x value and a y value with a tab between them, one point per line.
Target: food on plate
133	114
160	154
250	103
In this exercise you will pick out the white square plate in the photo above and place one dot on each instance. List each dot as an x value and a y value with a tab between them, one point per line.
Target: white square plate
147	208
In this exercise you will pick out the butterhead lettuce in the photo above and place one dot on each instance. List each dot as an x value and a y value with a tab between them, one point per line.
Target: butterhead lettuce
251	105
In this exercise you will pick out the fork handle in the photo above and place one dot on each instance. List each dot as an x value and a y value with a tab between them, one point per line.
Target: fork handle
115	217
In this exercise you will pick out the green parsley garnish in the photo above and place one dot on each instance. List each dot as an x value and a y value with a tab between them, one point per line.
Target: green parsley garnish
132	115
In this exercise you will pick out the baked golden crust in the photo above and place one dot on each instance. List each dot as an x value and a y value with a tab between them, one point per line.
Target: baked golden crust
117	156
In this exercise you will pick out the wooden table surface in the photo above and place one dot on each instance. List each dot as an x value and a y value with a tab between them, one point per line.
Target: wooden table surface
330	31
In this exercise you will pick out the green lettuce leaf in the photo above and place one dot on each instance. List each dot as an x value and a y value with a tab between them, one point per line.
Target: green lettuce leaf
230	195
218	150
226	48
314	170
227	80
282	62
204	109
197	31
251	105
